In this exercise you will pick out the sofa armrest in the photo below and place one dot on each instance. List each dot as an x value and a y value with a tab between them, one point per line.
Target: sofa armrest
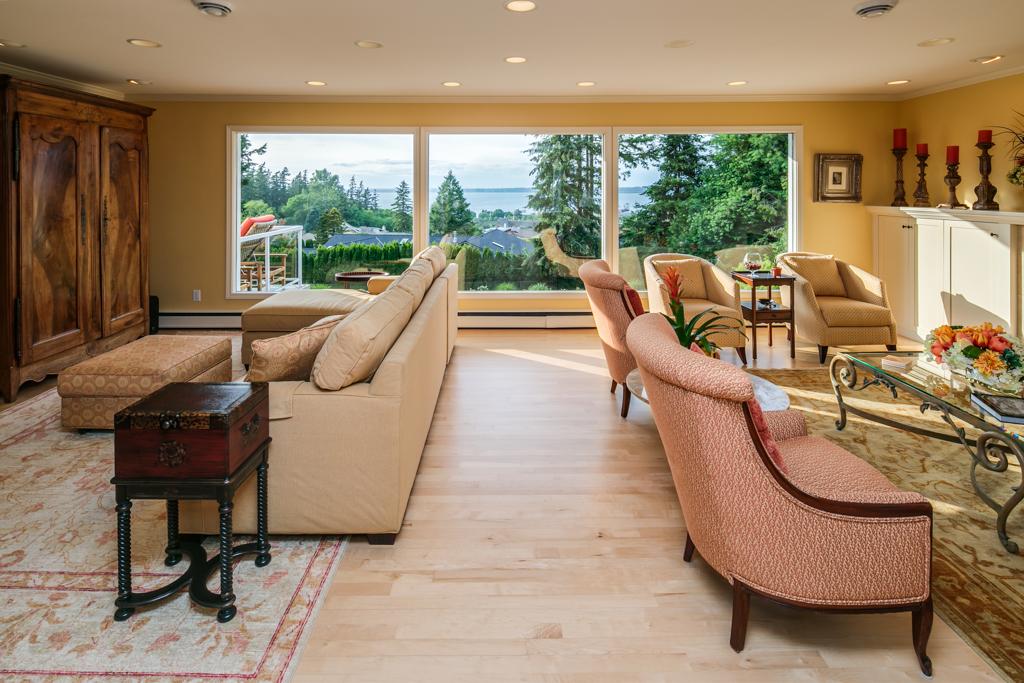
378	284
862	285
721	288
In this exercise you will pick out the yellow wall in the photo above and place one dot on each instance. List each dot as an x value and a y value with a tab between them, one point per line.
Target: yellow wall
188	205
954	117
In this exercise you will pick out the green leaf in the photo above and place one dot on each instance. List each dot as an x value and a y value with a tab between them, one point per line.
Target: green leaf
972	351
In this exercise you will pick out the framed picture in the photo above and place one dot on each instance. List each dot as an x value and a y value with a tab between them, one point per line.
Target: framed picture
837	177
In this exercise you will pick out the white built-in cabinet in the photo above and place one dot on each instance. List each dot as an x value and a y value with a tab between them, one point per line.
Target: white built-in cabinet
945	266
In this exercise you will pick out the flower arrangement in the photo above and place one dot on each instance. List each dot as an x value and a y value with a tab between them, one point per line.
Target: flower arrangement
984	354
697	329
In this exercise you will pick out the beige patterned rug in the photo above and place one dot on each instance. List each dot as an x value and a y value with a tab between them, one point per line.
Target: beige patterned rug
978	587
58	575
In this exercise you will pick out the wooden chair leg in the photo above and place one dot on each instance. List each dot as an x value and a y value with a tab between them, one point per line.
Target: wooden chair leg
614	384
822	354
890	347
625	401
740	615
922	624
741	351
688	551
381	539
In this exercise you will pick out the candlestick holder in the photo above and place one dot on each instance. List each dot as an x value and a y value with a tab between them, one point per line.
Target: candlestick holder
921	194
952	179
985	190
899	197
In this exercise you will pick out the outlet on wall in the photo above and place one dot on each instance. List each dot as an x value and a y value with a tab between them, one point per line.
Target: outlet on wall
197	295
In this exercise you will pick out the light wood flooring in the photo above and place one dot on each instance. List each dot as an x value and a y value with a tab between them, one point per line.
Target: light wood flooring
543	541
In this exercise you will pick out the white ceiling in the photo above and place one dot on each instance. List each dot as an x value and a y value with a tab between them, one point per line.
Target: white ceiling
271	47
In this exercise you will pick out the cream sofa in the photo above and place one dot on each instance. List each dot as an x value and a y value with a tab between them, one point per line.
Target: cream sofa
343	462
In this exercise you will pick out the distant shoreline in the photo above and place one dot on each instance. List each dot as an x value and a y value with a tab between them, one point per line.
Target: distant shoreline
522	190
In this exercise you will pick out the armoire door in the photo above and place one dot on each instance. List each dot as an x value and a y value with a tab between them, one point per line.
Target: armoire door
123	205
56	224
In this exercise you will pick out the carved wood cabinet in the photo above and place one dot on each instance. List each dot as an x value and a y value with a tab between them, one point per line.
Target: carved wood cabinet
74	203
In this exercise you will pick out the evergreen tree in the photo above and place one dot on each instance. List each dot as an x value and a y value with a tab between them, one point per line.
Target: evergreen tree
450	211
401	208
329	225
567	180
352	189
247	153
312	220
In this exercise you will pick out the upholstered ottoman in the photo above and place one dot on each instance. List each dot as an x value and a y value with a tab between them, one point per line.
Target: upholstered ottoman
94	390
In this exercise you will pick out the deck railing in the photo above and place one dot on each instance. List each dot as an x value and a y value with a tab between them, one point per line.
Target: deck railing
270	274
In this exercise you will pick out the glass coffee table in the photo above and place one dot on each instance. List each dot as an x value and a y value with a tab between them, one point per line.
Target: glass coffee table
769	396
931	385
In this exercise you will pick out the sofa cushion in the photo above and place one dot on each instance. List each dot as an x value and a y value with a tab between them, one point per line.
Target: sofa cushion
839	311
294	309
435	255
358	344
692	286
290	357
820	271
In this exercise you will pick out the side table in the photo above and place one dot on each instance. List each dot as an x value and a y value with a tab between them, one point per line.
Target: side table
751	314
191	441
357	277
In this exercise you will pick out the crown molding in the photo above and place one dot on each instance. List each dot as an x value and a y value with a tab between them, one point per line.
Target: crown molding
962	82
625	99
32	75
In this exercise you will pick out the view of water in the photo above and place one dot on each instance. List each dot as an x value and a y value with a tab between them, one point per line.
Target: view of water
510	199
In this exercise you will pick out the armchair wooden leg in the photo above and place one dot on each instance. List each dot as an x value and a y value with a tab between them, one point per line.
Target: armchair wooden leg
381	539
890	347
822	353
614	384
741	351
922	624
625	401
740	615
688	551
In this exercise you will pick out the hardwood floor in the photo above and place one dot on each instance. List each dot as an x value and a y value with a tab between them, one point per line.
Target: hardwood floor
544	542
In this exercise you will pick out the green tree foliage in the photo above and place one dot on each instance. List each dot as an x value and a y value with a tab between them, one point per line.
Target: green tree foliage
450	211
319	267
247	153
255	208
567	180
330	224
401	208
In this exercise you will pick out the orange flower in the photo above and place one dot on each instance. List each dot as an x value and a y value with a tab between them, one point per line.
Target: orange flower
998	344
944	335
937	349
988	330
989	363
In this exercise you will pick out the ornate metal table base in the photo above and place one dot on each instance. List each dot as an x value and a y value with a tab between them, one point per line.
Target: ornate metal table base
992	449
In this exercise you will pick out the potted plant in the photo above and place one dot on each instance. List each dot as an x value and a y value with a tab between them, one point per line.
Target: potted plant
1016	173
695	331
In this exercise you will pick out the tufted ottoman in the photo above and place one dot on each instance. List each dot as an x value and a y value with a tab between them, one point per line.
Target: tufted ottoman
94	390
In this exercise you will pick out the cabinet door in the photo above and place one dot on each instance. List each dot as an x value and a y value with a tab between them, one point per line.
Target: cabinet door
896	267
980	275
123	251
932	275
56	226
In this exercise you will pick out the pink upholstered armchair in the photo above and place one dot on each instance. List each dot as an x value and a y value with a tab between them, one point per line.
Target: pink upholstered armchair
791	518
612	312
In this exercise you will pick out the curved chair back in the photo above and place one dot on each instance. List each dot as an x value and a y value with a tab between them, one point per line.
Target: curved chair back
612	313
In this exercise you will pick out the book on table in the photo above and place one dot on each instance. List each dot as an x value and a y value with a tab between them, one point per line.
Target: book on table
1007	409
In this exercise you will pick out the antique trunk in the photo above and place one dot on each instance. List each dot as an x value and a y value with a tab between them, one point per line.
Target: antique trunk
191	431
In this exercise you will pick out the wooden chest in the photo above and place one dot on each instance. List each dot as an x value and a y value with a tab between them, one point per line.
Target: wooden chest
191	431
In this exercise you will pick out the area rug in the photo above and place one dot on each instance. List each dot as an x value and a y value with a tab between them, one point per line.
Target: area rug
58	575
977	587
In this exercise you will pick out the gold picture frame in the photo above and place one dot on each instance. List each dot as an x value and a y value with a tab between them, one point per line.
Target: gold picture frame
837	178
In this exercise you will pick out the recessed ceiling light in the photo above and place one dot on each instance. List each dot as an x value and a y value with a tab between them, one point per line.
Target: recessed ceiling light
135	81
935	42
451	84
10	43
987	60
874	8
369	44
679	43
586	84
213	9
315	83
736	83
515	60
520	5
139	42
897	82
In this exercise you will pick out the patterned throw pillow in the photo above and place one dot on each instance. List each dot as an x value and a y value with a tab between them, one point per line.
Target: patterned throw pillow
820	271
766	435
290	357
693	274
635	302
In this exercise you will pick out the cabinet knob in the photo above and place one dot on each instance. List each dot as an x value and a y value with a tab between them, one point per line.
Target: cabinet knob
994	234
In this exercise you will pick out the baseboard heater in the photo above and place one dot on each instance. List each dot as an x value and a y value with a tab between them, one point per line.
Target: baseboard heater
200	321
525	319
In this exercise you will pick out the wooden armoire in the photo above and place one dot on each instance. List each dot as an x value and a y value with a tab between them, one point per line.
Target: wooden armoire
74	278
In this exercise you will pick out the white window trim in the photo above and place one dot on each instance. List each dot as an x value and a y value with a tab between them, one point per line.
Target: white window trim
234	186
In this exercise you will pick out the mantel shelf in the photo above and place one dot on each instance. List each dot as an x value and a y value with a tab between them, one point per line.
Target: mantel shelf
1011	217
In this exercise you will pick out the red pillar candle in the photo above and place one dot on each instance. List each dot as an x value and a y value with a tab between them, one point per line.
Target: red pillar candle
922	149
953	154
899	138
984	136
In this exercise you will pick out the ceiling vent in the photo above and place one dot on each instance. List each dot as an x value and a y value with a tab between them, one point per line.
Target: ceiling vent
874	8
214	9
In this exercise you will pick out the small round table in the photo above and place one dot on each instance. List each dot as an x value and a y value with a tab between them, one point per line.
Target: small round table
767	394
357	276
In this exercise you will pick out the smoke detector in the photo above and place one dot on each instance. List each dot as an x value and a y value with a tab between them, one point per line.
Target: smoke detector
874	8
214	9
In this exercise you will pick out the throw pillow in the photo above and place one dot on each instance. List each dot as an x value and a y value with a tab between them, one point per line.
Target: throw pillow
634	301
290	357
765	433
692	271
820	271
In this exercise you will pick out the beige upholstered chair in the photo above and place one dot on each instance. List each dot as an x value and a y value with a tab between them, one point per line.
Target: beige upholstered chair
612	312
706	287
837	304
788	517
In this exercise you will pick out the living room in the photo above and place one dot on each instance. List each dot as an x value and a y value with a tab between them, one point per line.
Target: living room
449	489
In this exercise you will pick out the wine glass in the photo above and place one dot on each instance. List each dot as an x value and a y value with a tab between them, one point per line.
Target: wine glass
752	261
